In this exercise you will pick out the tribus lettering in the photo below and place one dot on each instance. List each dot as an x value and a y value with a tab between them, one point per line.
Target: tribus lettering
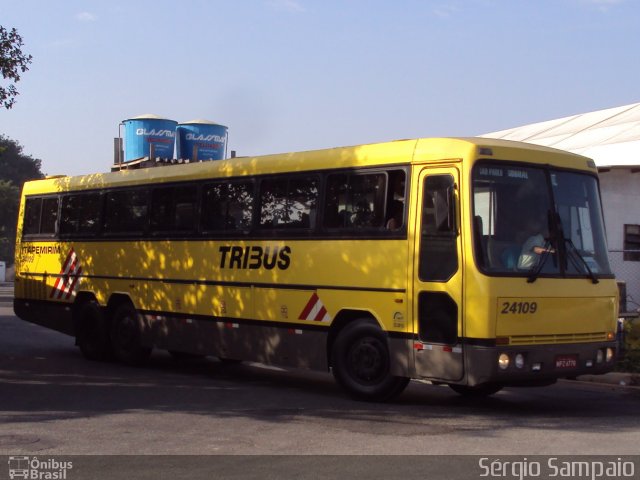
255	257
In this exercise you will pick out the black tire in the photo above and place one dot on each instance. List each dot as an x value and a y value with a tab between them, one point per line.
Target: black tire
184	356
126	336
361	363
229	361
92	332
477	391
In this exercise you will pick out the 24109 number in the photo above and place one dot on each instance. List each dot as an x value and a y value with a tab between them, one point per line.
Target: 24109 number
516	308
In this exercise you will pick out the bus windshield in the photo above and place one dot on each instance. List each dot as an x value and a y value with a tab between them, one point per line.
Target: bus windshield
531	221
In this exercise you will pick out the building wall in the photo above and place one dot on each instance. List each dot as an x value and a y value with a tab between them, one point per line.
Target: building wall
620	189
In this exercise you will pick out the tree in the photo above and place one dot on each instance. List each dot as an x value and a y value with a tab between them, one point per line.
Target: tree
12	63
9	199
15	166
15	169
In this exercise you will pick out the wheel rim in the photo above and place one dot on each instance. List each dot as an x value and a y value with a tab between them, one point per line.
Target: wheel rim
367	361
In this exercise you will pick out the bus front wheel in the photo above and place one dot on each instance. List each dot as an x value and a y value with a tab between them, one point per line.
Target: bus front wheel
126	336
361	363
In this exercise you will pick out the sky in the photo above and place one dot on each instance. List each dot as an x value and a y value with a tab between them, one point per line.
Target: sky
291	75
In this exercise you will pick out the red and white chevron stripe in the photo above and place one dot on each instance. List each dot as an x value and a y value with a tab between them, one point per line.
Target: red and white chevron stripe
66	283
315	310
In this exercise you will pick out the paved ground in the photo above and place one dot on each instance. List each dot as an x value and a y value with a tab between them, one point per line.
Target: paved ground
6	294
52	401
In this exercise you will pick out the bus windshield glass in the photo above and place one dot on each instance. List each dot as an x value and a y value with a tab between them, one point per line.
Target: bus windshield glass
531	221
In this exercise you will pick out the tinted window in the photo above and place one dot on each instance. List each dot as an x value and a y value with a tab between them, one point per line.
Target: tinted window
395	210
173	208
227	207
126	211
288	203
40	216
49	215
437	318
438	242
355	201
31	223
80	214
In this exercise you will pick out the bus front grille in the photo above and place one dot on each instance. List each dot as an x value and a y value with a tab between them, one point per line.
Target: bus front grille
558	338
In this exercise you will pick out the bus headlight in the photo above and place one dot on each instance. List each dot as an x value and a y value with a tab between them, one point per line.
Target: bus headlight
519	360
599	356
609	354
503	361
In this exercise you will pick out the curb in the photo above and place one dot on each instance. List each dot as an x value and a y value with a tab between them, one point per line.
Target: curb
613	378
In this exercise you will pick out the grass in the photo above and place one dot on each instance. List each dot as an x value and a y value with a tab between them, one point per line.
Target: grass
629	354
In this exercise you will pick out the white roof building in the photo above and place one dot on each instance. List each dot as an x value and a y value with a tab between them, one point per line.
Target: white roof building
611	138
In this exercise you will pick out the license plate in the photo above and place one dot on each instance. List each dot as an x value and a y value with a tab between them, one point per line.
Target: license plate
566	361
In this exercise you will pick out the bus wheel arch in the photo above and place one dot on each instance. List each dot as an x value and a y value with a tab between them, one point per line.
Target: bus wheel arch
115	301
91	328
361	361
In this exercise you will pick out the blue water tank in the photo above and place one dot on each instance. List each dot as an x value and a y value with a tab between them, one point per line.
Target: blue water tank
146	130
201	140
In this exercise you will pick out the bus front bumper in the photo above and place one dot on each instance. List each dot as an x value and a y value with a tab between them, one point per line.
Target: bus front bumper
536	364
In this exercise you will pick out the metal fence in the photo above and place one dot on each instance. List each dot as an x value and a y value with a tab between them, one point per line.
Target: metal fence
628	277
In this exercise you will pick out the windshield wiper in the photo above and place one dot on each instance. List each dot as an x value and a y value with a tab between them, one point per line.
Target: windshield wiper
577	253
553	220
540	265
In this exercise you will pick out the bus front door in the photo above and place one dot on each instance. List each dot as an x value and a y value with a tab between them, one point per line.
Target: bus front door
437	278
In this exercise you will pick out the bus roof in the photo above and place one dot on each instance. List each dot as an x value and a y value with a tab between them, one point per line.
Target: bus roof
388	153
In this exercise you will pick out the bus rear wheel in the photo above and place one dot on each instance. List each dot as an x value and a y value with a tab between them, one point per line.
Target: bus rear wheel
361	363
477	391
229	361
126	336
185	356
92	332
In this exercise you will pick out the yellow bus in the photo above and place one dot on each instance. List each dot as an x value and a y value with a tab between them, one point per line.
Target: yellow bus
474	263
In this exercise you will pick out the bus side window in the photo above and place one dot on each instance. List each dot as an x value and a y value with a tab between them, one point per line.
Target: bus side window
49	216
126	211
395	200
41	216
173	209
227	207
32	212
80	214
335	208
288	203
355	201
438	247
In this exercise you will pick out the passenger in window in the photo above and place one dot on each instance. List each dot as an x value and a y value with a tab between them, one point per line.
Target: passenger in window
396	210
535	244
398	186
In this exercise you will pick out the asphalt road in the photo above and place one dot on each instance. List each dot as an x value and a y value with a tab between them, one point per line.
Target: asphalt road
52	401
